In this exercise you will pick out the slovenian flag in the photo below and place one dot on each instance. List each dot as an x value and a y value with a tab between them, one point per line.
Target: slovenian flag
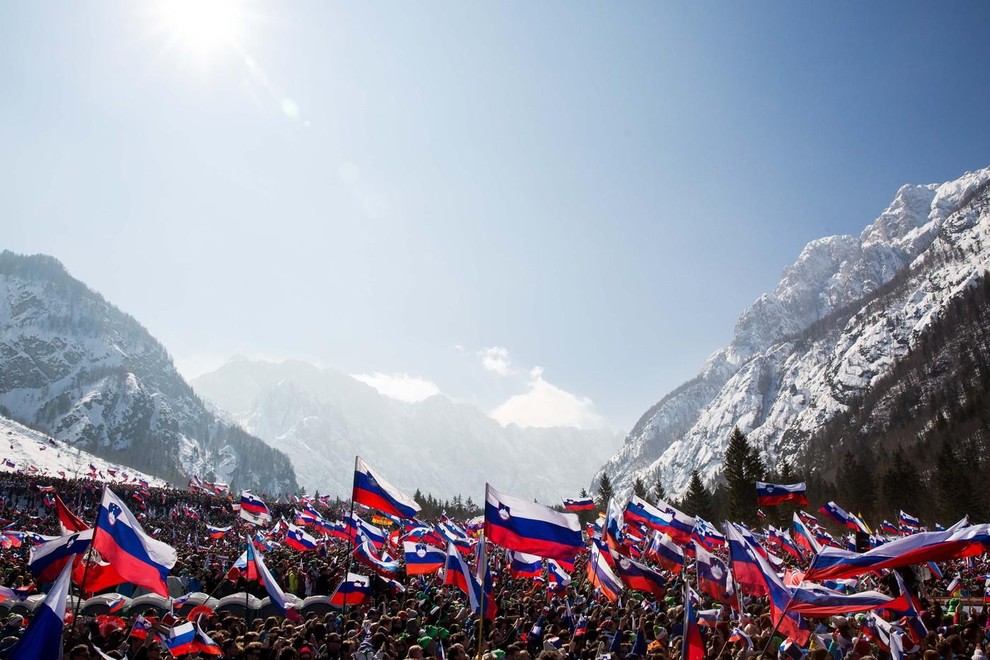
254	510
204	644
601	575
640	577
665	552
48	559
366	554
373	491
355	589
299	539
692	644
714	577
181	639
679	526
136	557
579	504
774	494
907	521
217	532
256	567
558	574
803	537
523	526
43	637
522	565
954	543
458	573
422	558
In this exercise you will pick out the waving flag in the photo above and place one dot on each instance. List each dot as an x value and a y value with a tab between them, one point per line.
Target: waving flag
458	573
254	510
516	524
803	537
665	552
953	543
422	558
679	526
580	504
298	539
739	636
558	575
217	532
907	521
68	521
600	575
640	577
888	527
774	494
359	529
706	534
837	514
781	539
639	510
43	638
367	555
714	577
373	491
181	639
48	559
122	542
355	589
522	565
256	566
454	534
204	644
692	644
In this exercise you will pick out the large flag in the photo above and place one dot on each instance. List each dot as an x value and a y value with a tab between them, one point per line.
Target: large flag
254	510
134	555
579	504
422	558
373	491
354	589
774	494
43	638
639	510
517	524
953	543
600	575
679	525
714	577
48	559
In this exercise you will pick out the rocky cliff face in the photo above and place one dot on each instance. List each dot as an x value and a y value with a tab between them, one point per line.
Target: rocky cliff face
79	369
841	316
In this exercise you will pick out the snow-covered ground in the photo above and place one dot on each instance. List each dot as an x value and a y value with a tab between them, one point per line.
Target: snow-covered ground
35	453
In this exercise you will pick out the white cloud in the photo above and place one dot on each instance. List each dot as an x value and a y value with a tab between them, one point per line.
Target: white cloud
546	405
400	386
496	360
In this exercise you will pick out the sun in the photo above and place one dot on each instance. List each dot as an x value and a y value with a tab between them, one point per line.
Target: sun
203	27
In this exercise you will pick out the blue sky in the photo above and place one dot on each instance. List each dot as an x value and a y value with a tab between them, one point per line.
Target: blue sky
555	210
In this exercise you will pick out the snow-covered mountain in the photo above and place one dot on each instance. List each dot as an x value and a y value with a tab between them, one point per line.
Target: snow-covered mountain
77	368
33	452
837	322
322	418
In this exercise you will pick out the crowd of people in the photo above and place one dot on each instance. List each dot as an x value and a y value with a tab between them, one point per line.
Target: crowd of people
425	619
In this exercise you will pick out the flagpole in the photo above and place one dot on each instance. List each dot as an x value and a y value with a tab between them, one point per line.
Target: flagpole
481	610
82	584
350	521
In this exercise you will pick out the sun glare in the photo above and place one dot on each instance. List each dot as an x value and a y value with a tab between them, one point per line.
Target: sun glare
204	27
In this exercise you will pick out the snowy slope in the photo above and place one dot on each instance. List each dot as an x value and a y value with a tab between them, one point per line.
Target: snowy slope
840	317
322	418
26	448
76	367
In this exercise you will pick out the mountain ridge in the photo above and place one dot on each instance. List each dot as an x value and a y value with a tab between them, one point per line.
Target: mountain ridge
81	370
768	383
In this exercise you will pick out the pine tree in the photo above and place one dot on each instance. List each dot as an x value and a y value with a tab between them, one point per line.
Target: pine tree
743	468
659	492
902	486
605	491
952	486
698	499
639	488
